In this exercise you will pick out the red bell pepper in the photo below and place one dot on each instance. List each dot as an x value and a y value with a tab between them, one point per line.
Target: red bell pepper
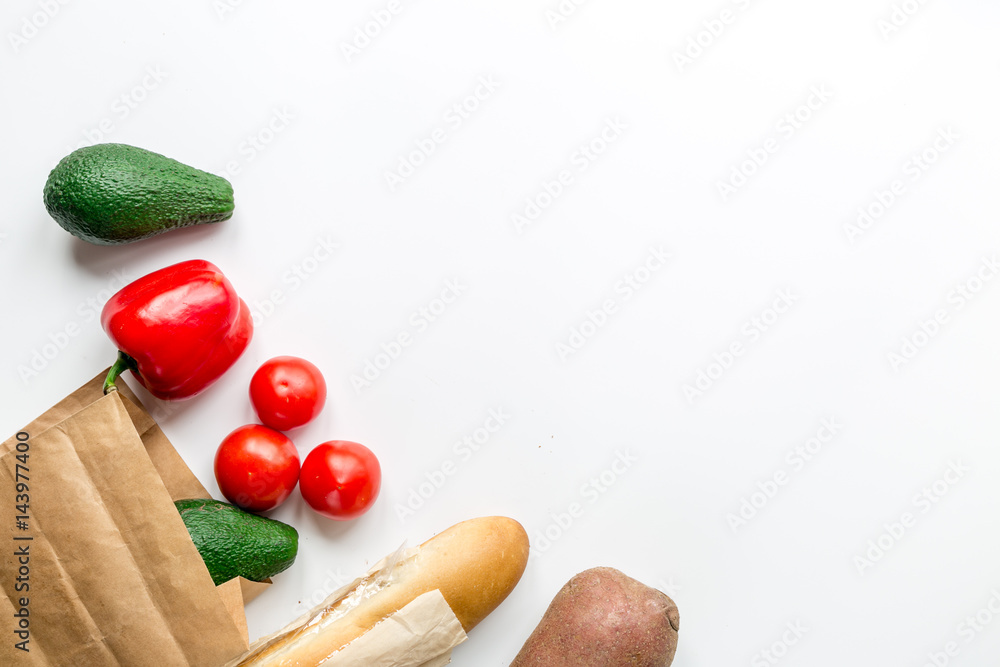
177	329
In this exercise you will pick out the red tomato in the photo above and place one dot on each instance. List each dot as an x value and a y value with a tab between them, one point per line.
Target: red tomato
287	392
340	479
256	467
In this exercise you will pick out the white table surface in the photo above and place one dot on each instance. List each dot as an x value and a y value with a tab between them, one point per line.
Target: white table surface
747	213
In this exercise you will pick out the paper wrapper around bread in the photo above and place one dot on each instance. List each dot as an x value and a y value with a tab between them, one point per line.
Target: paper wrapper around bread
113	577
421	634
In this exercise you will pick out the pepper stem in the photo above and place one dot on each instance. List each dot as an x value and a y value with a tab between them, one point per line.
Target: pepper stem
122	364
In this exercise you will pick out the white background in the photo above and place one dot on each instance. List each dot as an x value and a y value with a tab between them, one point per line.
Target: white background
201	81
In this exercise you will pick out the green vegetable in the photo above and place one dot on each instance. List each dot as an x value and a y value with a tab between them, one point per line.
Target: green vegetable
111	194
234	543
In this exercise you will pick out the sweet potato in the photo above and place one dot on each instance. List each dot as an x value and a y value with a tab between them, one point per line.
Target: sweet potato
602	618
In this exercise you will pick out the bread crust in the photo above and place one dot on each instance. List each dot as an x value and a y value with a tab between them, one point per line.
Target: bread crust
475	565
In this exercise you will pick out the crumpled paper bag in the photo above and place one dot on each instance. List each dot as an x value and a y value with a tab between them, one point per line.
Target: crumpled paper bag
98	568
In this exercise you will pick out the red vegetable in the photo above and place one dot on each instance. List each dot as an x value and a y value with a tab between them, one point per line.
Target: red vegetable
256	467
340	479
287	392
177	329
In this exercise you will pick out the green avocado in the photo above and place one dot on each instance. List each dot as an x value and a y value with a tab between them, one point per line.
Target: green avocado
234	543
111	194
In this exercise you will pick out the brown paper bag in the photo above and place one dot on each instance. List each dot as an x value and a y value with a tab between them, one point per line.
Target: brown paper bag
98	568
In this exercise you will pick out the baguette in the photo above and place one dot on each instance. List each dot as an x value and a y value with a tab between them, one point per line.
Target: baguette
475	564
